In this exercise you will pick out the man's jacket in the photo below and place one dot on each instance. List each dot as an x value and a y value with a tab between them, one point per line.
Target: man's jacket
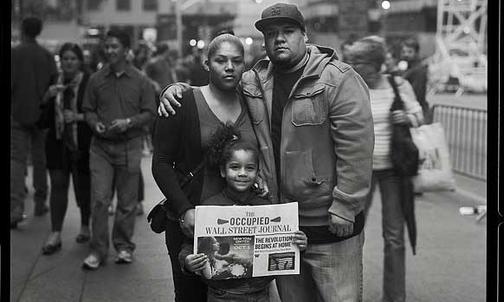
327	137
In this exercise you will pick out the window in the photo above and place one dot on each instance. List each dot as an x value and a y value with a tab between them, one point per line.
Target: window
123	4
150	5
93	4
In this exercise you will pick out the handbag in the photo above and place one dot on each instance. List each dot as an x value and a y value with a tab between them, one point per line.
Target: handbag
435	172
158	216
403	151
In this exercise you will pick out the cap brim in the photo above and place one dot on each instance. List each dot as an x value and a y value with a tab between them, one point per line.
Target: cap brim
260	24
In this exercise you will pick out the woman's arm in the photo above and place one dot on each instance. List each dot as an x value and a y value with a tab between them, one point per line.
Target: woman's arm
411	105
167	142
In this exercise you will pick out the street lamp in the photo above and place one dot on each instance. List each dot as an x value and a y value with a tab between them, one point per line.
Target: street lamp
385	4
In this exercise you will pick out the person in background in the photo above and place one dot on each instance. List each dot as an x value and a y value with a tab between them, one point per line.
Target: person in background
118	102
67	145
312	117
180	143
367	56
141	55
416	74
33	69
198	74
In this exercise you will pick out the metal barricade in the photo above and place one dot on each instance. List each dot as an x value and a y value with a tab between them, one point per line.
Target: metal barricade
466	136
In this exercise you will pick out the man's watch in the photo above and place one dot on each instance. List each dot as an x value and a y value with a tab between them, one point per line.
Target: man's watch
128	122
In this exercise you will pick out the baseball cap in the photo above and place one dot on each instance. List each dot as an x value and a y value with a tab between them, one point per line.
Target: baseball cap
280	11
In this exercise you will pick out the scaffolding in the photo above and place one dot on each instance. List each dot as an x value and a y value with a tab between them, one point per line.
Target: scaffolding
461	42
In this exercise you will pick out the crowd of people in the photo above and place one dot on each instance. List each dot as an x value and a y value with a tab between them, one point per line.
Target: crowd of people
305	124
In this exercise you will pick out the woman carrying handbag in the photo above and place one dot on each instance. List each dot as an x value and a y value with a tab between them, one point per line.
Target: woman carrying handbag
393	108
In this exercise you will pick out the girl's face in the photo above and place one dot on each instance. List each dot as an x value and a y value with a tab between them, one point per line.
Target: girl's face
70	63
240	170
226	66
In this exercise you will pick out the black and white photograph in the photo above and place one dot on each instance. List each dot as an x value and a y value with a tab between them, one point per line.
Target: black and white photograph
253	150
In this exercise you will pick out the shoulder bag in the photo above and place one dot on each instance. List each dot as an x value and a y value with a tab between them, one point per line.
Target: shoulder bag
403	151
158	216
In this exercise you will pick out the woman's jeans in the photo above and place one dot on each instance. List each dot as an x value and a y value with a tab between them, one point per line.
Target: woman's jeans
329	272
188	287
394	268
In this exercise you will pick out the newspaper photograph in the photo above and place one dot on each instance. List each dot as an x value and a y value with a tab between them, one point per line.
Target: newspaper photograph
247	241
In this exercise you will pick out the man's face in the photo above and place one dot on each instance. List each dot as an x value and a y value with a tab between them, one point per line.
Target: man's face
114	50
408	53
284	43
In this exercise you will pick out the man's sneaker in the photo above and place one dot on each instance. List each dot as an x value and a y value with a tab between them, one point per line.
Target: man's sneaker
123	257
92	262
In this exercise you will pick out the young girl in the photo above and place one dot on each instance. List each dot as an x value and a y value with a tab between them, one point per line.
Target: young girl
238	163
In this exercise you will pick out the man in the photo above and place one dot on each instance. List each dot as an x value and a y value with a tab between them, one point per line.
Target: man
416	74
160	68
32	71
118	102
312	118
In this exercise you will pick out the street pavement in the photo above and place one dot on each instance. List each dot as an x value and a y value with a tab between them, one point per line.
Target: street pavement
450	264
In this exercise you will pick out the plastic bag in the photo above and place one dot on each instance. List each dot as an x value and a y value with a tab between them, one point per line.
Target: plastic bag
435	171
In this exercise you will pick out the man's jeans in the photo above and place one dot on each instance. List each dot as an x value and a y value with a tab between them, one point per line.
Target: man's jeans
114	164
22	140
394	268
329	273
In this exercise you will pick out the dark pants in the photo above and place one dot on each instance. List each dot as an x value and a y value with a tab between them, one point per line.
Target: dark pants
23	140
188	288
60	180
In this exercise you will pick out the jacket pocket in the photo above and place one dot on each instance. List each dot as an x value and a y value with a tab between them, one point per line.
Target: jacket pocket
255	105
308	109
300	180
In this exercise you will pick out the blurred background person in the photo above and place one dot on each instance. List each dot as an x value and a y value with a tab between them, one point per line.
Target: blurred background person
33	69
416	74
367	56
118	102
198	74
67	145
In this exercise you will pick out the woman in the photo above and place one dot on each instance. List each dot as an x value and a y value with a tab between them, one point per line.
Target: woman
67	145
366	56
181	141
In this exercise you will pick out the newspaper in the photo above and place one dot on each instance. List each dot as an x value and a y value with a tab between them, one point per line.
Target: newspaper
247	241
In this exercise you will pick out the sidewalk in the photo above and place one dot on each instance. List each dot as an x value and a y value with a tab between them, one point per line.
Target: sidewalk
450	264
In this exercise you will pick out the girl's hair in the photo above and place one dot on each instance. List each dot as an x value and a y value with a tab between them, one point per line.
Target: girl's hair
217	41
224	142
75	48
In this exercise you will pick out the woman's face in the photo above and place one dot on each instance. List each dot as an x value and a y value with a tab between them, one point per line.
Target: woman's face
365	68
70	63
226	66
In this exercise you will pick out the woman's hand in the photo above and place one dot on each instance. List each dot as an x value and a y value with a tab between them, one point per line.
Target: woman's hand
168	99
261	187
300	240
53	90
187	223
69	116
196	262
399	117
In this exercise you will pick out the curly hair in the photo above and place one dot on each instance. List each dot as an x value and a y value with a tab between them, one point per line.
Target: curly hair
224	142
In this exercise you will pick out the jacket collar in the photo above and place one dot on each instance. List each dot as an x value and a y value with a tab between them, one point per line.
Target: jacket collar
318	58
128	70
